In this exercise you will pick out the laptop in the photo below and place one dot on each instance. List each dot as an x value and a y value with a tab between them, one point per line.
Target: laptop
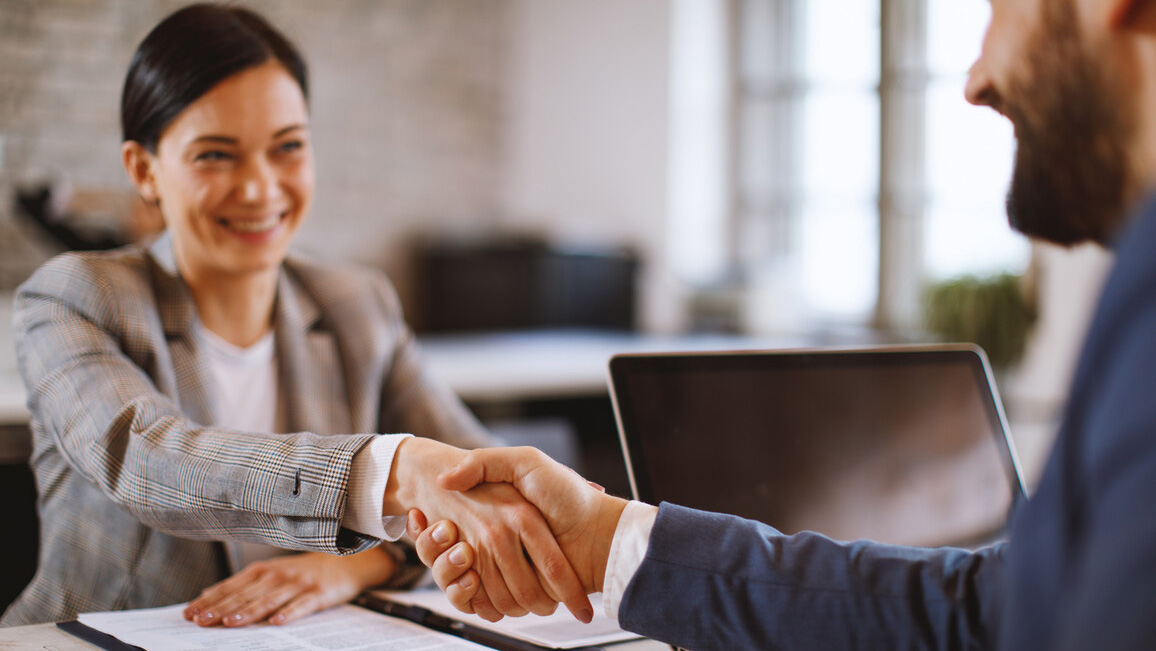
905	445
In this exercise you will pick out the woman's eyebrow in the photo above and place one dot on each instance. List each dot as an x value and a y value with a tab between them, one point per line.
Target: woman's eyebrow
221	139
229	140
292	127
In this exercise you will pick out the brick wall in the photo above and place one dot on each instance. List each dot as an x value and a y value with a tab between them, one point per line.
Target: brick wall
406	101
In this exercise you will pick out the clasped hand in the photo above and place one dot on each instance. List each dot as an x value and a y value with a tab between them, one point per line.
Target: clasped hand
518	557
516	560
581	517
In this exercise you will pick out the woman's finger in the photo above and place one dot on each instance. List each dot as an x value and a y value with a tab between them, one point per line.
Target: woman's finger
435	541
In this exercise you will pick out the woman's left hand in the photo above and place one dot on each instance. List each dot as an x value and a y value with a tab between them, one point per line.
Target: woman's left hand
287	588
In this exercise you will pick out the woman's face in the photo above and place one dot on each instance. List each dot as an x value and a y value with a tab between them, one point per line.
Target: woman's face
233	174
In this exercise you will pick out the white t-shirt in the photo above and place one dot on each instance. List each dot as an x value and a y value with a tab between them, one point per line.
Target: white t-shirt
246	397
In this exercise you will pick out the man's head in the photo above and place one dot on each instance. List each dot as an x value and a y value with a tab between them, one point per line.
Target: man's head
1055	73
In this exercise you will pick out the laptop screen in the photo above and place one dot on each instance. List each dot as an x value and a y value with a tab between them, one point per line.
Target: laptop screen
906	445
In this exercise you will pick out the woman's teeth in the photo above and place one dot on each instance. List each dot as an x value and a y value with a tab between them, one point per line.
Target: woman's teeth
252	225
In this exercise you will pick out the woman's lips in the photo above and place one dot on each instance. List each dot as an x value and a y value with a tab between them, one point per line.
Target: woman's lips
250	226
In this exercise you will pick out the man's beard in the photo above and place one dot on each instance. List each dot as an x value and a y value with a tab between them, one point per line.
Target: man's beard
1071	181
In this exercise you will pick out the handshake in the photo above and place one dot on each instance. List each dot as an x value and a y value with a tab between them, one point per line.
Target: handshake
553	550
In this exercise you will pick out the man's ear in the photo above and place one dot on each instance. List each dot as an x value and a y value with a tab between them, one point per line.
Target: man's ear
139	164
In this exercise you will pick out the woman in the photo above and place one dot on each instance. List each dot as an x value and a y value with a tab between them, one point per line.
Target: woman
206	387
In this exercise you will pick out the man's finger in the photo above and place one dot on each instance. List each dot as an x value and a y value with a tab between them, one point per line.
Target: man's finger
556	573
493	465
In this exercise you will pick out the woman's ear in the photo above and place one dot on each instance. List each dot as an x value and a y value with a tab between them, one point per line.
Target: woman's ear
139	164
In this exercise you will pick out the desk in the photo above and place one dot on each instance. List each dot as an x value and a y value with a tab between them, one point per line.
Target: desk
513	366
41	637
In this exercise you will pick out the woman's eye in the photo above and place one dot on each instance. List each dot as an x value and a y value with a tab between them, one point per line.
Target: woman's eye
212	156
290	146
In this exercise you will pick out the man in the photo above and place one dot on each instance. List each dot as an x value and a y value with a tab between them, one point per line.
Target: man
1077	78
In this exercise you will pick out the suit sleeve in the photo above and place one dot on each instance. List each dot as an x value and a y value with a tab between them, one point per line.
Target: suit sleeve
97	406
712	581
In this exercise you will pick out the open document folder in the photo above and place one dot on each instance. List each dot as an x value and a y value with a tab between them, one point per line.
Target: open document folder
351	628
342	627
557	631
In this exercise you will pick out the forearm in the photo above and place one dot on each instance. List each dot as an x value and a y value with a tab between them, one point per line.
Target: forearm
102	391
719	582
284	490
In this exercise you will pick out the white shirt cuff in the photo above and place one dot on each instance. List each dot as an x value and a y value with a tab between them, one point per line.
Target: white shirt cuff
368	475
627	551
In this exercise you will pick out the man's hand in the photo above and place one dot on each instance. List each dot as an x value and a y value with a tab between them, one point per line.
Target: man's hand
287	588
518	561
582	517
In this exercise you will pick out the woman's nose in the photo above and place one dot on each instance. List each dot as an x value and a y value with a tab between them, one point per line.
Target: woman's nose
259	182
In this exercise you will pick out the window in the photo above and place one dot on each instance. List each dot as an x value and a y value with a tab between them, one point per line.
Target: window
969	156
852	139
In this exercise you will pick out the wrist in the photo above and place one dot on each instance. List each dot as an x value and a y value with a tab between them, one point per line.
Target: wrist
394	498
416	466
606	522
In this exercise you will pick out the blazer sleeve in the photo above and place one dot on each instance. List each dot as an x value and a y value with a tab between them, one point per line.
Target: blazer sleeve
83	347
712	581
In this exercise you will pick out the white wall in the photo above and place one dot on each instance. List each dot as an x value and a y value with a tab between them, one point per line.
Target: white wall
406	109
584	136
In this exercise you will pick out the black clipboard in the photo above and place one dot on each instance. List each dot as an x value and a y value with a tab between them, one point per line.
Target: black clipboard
454	627
100	639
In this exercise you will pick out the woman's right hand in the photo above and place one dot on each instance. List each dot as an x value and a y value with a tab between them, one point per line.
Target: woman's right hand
518	562
450	561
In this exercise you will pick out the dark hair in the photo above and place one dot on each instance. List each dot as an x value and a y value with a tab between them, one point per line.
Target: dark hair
190	52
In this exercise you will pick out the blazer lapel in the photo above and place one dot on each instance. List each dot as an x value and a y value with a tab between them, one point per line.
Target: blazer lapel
309	363
178	314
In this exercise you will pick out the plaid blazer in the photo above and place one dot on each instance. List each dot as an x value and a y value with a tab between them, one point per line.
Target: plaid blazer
136	484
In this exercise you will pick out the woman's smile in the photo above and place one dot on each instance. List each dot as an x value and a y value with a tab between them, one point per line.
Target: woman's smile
255	225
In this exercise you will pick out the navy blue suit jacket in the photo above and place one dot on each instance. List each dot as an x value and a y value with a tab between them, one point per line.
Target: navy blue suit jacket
1079	571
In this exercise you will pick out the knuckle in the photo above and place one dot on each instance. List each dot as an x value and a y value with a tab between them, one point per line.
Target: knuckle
554	567
505	603
491	534
523	515
527	595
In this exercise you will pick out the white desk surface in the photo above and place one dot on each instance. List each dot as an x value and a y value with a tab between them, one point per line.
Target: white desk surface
553	364
47	637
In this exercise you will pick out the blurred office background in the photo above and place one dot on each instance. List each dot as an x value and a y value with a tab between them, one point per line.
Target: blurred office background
779	170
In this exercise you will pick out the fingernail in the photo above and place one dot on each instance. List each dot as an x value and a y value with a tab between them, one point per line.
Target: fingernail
457	556
466	583
441	533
